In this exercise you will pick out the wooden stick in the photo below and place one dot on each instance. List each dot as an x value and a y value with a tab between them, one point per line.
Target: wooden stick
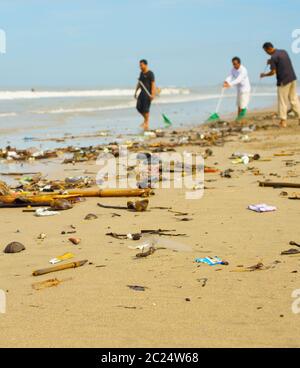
278	184
20	200
111	192
59	268
29	198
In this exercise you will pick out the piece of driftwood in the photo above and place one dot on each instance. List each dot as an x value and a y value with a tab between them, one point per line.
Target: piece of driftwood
23	199
62	267
18	173
111	192
294	196
112	207
47	283
135	236
278	184
138	206
161	232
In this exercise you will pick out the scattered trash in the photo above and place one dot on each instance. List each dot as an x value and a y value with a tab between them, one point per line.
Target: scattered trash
146	254
4	189
249	156
295	196
294	243
118	236
241	160
150	134
262	207
136	236
283	194
126	307
14	247
59	259
61	205
226	173
161	232
203	281
42	236
137	287
91	216
211	261
47	283
138	206
43	212
75	241
157	243
290	251
257	267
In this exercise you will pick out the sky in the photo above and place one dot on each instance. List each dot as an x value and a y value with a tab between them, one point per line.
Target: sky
98	43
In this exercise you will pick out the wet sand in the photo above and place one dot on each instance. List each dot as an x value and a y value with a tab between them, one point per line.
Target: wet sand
95	308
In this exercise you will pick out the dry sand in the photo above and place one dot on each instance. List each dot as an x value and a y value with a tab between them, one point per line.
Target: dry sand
97	309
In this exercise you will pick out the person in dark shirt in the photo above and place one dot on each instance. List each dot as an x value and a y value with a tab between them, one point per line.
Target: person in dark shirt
281	65
146	85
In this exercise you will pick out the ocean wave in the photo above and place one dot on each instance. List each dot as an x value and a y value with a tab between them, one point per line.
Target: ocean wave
7	114
79	110
164	99
15	95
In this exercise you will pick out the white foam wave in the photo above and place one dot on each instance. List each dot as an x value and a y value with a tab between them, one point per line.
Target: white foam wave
7	114
167	99
15	95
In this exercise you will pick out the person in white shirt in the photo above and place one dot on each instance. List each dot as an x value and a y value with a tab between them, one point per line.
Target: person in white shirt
239	77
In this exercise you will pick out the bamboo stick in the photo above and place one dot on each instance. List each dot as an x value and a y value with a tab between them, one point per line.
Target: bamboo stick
37	200
59	268
110	192
28	198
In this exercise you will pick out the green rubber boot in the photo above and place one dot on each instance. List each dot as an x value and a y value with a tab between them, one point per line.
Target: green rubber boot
242	114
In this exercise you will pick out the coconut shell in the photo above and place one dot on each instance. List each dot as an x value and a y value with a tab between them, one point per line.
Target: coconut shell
14	247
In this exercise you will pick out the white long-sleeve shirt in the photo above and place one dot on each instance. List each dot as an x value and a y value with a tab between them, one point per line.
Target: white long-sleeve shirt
239	78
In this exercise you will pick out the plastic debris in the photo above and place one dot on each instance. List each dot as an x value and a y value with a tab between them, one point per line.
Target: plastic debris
262	207
61	258
43	212
75	241
211	261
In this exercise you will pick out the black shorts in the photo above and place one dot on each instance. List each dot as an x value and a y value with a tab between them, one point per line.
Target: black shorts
143	103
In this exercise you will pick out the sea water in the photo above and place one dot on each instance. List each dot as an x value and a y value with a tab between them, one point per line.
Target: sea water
36	117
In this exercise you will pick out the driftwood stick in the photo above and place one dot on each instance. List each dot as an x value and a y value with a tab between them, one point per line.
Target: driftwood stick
59	268
111	192
278	184
112	207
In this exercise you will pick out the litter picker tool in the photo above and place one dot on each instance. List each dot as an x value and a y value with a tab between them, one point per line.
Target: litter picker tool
167	121
215	116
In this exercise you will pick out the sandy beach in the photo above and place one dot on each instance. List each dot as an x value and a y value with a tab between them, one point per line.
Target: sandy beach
184	303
